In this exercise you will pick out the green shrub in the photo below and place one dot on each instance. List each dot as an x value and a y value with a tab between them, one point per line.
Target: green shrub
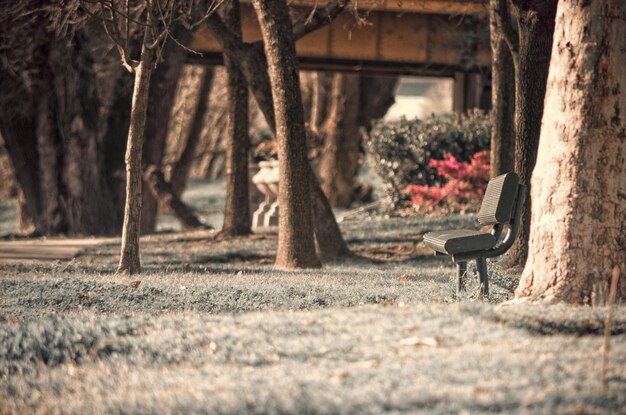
400	151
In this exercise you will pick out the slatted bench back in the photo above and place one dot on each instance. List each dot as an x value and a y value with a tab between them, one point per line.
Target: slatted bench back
499	200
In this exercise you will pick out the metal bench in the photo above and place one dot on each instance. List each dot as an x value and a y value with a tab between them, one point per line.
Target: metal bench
501	207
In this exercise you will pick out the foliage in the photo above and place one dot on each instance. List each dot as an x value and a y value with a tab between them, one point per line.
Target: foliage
465	185
400	152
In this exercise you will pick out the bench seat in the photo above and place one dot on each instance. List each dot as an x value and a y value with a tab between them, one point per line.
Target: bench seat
459	241
501	209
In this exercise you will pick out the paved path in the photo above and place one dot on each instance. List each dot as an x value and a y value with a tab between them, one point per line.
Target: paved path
45	249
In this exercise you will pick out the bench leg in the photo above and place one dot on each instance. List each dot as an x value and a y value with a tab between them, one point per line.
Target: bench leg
461	268
481	265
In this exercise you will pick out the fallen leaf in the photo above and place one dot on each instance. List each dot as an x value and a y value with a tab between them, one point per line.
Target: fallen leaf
407	277
133	284
339	377
85	294
368	363
421	341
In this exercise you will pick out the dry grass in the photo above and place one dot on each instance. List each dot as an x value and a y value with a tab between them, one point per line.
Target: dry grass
211	327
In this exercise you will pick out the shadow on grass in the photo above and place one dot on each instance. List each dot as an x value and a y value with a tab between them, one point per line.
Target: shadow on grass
551	320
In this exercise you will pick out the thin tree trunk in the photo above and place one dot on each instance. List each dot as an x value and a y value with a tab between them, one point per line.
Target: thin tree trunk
296	245
129	260
536	28
578	231
180	171
502	99
319	102
237	210
340	154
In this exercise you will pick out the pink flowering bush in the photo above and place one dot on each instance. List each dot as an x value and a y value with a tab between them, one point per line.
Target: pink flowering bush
464	187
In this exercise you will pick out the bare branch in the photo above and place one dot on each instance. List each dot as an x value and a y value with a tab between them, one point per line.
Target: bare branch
319	17
503	21
126	15
127	25
215	4
224	36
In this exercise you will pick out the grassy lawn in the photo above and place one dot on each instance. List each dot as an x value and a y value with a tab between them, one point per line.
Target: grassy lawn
211	327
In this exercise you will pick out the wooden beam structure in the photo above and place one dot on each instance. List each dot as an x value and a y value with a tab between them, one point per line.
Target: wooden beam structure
416	37
458	7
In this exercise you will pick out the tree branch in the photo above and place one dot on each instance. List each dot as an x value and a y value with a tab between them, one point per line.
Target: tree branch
320	17
222	33
503	20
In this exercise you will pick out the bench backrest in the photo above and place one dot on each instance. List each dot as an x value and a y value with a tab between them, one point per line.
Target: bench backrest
499	200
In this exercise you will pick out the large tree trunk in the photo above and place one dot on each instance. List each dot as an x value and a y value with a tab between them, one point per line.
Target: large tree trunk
340	154
49	148
54	133
129	260
237	210
578	233
296	245
86	200
182	167
502	99
535	27
18	131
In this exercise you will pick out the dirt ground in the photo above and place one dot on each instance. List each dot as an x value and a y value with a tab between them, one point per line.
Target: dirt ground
210	327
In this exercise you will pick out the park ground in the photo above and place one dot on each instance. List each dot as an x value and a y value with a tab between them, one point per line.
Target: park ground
210	327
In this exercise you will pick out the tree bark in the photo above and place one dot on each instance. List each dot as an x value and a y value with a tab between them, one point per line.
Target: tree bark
24	222
254	66
237	220
502	99
129	260
342	139
85	197
18	131
330	242
319	99
181	169
49	151
53	131
296	246
578	233
535	28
